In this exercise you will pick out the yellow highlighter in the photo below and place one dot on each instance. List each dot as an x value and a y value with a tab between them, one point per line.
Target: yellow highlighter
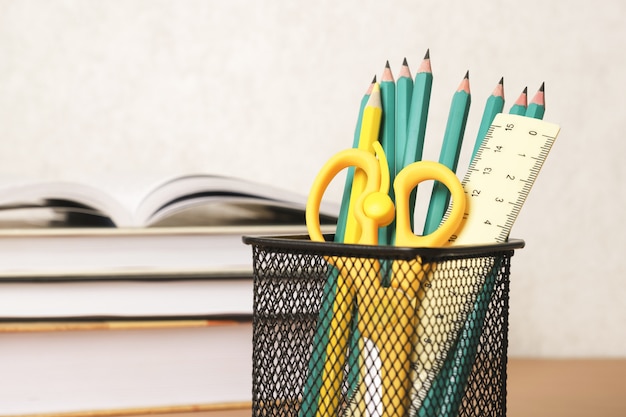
387	316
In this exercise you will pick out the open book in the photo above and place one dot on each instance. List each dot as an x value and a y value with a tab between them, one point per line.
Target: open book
189	200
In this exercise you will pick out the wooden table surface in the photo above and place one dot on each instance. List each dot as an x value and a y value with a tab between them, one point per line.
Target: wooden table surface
541	388
566	387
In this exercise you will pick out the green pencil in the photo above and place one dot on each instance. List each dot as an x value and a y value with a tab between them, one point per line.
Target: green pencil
457	367
519	107
537	106
387	137
404	92
452	377
418	112
313	382
447	390
494	105
418	115
449	156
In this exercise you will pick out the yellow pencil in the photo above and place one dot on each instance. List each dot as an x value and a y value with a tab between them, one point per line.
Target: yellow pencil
320	392
345	201
370	126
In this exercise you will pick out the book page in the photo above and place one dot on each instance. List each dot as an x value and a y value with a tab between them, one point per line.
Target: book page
261	202
139	201
64	196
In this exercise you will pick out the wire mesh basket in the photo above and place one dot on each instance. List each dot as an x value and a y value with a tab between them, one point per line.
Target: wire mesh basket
357	330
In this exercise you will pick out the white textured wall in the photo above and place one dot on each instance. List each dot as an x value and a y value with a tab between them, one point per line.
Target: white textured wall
264	88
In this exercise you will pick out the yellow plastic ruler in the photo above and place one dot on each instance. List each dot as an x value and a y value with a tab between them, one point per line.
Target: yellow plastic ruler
501	175
497	183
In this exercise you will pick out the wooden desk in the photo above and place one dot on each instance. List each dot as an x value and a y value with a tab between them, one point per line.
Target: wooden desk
556	388
536	388
566	388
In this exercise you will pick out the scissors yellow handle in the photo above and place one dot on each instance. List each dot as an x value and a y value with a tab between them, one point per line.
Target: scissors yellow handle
386	315
405	182
372	209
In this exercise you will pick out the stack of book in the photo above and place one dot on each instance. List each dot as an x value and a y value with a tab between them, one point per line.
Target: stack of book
116	309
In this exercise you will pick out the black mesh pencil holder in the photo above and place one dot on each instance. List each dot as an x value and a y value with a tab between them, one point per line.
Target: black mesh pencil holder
357	330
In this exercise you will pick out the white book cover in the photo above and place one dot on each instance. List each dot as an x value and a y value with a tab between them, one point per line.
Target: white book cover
89	370
110	251
121	298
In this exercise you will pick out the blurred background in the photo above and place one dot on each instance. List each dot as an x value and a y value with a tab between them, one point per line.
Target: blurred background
268	90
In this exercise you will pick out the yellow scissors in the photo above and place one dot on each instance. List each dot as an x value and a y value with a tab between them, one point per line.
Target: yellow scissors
387	316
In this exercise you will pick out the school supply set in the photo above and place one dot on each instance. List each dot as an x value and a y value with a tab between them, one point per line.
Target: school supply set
384	322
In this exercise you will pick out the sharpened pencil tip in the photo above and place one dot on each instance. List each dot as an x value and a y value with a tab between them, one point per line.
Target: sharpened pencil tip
387	73
427	56
465	84
405	71
542	86
525	90
539	97
499	90
374	79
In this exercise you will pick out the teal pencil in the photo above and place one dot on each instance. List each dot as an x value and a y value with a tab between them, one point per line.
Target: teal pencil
447	390
458	364
537	105
449	156
418	115
345	201
387	137
404	92
452	378
448	386
494	105
313	382
519	107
